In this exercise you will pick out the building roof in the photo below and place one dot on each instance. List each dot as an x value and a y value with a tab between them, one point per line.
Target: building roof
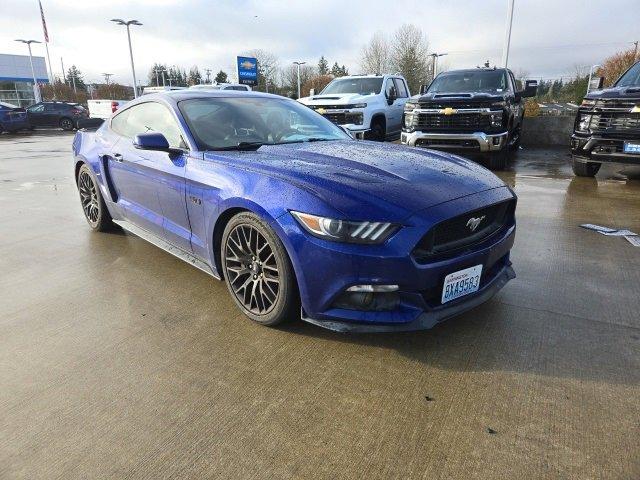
16	68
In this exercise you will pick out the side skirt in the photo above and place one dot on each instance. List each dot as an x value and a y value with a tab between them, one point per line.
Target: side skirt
167	247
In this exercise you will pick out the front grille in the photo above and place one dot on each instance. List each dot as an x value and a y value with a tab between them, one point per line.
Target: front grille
620	104
455	234
337	118
450	104
457	121
611	121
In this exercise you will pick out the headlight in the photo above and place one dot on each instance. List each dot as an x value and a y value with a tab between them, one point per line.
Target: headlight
410	106
496	119
587	103
359	105
345	231
583	123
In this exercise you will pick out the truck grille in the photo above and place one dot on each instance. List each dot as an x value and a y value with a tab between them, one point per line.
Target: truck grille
457	121
607	121
455	234
337	118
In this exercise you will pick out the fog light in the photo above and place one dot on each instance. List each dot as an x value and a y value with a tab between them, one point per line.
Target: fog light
373	288
496	140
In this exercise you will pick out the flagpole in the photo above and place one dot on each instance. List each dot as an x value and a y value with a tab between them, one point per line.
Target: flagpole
46	42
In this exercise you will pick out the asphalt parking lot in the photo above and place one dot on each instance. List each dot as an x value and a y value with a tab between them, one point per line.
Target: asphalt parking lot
118	360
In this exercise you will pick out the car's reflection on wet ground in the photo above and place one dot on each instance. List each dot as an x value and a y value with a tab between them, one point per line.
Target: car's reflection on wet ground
118	360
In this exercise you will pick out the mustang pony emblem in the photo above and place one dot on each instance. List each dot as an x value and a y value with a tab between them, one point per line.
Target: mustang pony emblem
473	223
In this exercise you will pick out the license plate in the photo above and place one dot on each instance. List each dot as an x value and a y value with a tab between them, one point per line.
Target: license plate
461	283
631	147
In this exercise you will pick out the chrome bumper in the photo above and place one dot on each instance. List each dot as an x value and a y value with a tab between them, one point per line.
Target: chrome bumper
486	142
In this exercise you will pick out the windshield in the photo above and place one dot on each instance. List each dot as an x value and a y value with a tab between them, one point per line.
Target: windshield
226	123
470	81
362	86
631	78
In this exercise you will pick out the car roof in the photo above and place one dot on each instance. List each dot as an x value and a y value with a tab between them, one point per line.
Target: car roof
475	70
178	95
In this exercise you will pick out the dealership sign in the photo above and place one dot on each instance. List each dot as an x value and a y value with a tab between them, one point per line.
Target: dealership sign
247	70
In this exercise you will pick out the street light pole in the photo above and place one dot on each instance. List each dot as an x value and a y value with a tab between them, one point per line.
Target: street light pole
36	87
590	74
298	64
507	35
127	24
435	56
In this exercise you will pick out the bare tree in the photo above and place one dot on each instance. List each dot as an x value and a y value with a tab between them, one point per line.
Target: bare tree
376	55
268	66
409	55
290	77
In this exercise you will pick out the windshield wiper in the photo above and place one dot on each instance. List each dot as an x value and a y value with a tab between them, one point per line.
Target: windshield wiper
242	146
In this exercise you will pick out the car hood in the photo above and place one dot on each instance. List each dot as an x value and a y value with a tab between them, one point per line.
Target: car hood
361	179
335	99
463	97
615	92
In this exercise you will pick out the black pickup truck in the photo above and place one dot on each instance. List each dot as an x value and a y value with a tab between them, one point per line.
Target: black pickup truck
476	112
607	126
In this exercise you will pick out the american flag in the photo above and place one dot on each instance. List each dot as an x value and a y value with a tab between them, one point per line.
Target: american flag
44	23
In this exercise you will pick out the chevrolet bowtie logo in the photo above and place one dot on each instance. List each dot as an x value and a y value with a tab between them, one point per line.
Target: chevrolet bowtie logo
320	110
473	223
448	111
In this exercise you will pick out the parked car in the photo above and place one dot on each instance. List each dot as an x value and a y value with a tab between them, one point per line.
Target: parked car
607	126
104	108
222	86
296	216
56	114
369	104
13	118
477	111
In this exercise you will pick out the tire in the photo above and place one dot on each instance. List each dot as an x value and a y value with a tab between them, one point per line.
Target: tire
1	129
66	124
258	271
498	160
378	131
585	169
93	206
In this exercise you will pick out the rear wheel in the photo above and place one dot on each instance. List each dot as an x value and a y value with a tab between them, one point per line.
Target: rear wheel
93	206
585	169
66	123
257	271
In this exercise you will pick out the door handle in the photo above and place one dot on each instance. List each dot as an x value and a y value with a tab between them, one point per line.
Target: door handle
117	157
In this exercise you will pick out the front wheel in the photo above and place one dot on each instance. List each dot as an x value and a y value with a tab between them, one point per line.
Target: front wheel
378	131
585	169
257	271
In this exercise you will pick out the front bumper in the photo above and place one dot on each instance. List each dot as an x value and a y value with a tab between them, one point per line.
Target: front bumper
326	270
478	141
602	149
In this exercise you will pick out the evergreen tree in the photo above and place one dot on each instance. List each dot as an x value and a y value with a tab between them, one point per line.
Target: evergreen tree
75	77
323	66
194	77
221	77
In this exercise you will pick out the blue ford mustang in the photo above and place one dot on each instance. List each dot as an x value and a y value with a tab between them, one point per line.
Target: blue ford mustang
297	217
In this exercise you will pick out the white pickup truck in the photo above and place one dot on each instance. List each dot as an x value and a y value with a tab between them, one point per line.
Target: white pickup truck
364	104
104	108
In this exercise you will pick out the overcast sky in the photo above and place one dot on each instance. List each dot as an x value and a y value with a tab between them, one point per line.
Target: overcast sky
550	37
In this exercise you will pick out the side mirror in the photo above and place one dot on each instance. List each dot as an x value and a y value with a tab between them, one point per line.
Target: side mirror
423	89
530	89
596	83
312	92
393	95
153	141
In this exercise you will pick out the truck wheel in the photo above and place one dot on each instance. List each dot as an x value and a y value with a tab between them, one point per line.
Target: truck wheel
498	160
585	169
258	272
93	206
378	131
66	124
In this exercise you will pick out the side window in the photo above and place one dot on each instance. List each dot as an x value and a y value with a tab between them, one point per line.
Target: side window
50	107
36	108
148	117
388	86
400	88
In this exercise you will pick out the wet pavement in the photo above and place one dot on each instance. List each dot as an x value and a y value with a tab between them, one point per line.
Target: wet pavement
118	360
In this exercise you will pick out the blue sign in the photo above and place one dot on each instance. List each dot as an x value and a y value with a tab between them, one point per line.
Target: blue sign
247	70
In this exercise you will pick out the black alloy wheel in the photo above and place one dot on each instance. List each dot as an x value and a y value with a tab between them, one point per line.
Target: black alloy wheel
93	206
257	270
66	124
